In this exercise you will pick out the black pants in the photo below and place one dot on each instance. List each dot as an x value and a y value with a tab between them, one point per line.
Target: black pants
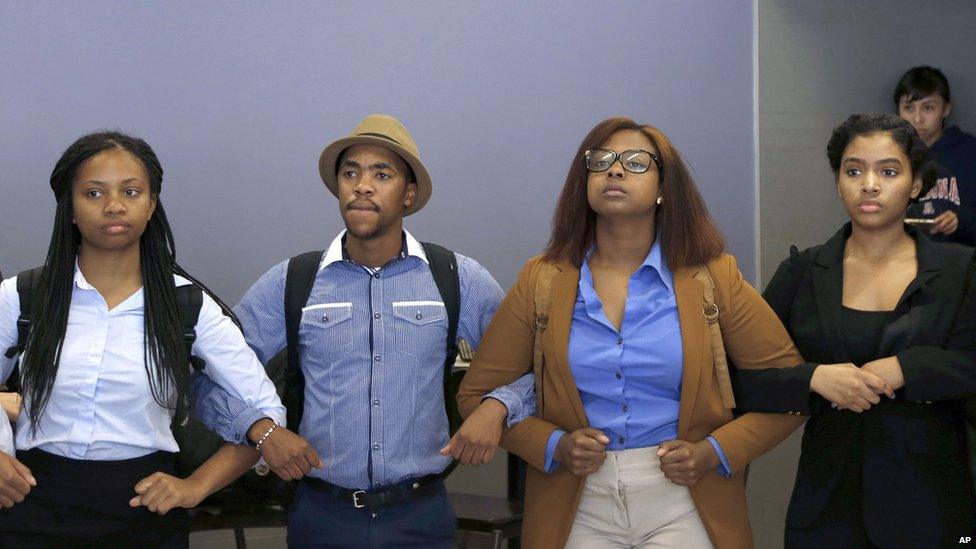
842	525
85	503
317	521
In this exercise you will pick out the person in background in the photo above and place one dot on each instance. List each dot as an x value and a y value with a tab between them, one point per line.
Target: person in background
922	97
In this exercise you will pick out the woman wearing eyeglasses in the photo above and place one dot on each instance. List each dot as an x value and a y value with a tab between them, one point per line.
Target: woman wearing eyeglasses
634	443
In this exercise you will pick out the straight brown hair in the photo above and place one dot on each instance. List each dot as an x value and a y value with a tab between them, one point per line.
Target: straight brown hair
687	232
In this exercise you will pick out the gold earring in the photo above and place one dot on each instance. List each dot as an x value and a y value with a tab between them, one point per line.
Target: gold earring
659	200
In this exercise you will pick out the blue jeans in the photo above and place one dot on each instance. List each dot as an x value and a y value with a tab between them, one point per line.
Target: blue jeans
316	520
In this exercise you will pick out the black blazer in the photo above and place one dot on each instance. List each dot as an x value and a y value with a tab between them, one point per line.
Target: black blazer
907	454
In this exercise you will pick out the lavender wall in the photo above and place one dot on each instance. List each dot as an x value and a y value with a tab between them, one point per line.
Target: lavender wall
238	100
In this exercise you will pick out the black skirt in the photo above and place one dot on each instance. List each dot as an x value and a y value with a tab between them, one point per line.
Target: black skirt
85	503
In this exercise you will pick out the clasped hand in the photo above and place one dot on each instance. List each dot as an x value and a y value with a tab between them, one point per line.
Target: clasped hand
857	389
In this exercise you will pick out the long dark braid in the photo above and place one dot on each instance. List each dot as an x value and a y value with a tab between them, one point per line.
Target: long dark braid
165	345
49	311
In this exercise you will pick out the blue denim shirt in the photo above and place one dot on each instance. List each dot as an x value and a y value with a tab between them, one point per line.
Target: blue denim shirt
372	344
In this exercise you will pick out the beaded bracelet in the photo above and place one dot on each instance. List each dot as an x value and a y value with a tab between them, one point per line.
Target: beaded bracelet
265	436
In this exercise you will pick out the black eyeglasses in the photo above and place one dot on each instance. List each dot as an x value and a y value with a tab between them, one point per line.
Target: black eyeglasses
634	161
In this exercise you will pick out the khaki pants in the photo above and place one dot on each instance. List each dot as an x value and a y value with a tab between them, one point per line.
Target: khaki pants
629	503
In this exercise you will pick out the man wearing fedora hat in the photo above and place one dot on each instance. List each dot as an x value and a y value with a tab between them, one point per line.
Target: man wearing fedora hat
372	346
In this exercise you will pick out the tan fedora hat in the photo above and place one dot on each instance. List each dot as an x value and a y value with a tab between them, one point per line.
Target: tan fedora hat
385	131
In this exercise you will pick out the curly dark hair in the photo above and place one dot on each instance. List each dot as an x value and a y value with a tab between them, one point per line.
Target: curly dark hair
902	132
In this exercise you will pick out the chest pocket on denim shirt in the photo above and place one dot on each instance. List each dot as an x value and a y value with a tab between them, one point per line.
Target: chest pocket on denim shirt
419	327
327	329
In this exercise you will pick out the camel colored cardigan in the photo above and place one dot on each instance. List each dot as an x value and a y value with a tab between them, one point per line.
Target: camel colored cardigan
754	338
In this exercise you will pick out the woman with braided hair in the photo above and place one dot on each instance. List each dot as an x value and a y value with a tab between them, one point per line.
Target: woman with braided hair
105	372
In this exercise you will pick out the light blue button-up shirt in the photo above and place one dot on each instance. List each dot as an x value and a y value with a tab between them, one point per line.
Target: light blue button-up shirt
101	405
630	380
372	344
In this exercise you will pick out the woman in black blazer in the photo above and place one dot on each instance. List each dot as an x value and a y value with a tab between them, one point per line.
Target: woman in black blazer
886	319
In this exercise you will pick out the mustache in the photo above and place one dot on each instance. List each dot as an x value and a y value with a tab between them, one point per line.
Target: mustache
363	204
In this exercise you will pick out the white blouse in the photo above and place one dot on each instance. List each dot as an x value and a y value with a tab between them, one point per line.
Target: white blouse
101	405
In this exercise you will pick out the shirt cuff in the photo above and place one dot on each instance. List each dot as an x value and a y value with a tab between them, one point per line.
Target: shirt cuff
551	463
7	444
243	423
724	469
511	401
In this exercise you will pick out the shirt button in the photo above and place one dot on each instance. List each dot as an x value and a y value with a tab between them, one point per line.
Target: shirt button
376	445
620	440
620	341
377	358
376	316
626	407
376	401
618	375
325	319
419	316
377	275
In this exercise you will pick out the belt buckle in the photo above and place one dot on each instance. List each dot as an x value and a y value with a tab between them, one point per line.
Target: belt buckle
355	499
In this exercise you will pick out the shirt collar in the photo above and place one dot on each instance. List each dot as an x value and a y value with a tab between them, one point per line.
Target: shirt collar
335	252
655	260
82	283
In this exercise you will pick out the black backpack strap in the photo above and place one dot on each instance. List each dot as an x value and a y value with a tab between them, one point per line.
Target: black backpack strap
443	265
298	286
189	297
27	283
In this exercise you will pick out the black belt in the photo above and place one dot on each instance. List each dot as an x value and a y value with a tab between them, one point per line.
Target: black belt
405	490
